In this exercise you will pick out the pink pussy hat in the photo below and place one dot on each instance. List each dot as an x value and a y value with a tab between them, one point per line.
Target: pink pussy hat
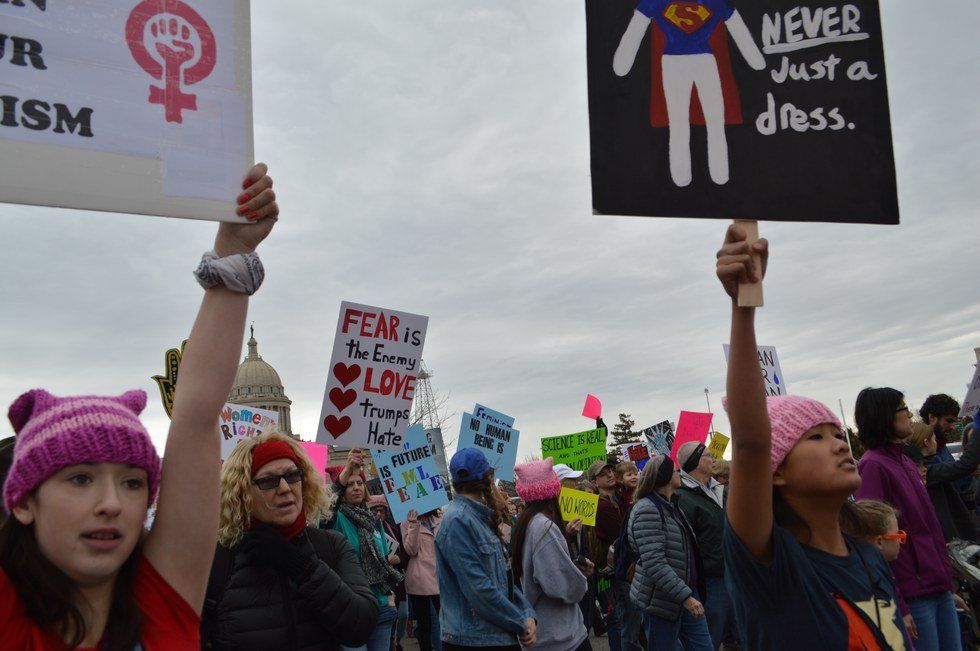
790	418
53	433
536	480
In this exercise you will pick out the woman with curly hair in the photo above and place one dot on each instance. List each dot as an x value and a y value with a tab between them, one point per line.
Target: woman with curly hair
277	580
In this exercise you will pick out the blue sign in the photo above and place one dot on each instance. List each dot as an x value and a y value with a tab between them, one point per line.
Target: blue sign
496	439
410	478
493	416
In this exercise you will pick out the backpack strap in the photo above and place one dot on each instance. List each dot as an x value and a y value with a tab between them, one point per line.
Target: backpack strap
221	567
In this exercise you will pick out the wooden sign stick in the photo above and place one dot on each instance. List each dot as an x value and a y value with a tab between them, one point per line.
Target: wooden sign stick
750	294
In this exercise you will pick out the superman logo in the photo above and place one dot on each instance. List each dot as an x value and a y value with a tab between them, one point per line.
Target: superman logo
689	17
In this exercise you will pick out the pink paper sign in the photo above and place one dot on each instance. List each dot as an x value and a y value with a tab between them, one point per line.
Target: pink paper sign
318	457
593	408
691	426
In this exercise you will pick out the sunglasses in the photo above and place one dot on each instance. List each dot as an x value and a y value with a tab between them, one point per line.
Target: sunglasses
271	481
901	537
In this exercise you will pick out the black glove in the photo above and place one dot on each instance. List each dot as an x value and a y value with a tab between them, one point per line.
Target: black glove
265	546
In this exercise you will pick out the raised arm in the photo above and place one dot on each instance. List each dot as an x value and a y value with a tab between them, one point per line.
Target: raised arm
629	45
750	492
743	39
181	543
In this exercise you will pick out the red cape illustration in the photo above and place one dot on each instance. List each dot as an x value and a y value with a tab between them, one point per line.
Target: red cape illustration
658	102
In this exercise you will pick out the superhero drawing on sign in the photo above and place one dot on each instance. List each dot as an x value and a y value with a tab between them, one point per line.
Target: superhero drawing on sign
691	75
172	43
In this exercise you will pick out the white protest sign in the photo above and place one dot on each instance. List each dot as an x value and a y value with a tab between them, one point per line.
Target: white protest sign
771	371
126	106
240	422
373	373
972	400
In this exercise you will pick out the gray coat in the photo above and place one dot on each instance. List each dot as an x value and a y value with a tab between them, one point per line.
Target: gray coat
659	533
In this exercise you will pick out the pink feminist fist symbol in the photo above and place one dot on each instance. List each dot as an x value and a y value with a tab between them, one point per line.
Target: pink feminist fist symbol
170	40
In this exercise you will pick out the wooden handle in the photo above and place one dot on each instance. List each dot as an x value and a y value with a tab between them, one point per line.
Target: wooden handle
750	294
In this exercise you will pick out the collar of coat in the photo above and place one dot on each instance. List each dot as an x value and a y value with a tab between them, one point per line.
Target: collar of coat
712	490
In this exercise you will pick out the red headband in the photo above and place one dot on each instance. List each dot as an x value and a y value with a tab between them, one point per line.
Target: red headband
268	451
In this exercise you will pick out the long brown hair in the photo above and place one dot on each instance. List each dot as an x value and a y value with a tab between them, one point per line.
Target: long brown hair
547	508
49	595
492	498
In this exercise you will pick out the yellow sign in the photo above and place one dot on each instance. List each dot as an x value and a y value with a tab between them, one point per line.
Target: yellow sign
168	381
578	504
718	445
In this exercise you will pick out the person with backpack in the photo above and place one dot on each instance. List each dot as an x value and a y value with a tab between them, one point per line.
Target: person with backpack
797	581
277	580
552	581
421	583
668	579
481	606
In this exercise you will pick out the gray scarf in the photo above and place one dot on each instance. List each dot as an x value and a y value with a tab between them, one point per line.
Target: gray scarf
379	572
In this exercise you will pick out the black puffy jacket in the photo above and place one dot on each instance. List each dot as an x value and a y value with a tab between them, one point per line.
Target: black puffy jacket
252	606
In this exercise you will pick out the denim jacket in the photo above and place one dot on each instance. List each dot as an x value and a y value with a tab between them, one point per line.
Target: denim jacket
479	605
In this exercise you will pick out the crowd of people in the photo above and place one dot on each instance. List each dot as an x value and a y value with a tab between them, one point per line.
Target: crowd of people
792	545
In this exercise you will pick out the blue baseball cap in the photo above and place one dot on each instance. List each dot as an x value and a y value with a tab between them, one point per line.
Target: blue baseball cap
468	464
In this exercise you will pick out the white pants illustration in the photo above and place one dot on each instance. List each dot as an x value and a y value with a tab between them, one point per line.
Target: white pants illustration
681	72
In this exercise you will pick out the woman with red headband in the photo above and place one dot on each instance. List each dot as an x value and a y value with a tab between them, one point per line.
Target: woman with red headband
277	580
76	567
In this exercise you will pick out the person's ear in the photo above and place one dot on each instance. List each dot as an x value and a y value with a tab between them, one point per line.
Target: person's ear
777	477
932	419
25	512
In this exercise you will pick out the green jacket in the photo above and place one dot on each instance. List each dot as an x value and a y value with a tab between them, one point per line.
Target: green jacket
708	521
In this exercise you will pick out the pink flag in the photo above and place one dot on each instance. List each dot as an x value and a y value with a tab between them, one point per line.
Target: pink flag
318	457
593	408
691	426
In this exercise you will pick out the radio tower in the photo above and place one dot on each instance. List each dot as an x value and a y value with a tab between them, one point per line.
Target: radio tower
425	410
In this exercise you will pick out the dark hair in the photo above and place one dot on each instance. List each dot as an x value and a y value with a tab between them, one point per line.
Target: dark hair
548	508
498	506
48	594
874	412
939	405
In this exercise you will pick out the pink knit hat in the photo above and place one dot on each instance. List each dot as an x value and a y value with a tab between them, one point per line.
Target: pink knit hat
536	480
790	418
53	433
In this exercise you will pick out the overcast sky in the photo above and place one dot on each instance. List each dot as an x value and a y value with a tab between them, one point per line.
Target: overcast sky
432	156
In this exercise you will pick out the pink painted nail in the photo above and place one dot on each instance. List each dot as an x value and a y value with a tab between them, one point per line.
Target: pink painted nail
243	209
243	197
246	183
254	215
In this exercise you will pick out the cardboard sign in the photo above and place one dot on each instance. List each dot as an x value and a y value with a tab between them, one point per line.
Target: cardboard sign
410	477
578	451
638	453
578	504
239	422
593	408
319	456
691	426
972	400
497	441
373	373
660	437
768	110
127	106
492	416
434	436
718	445
772	373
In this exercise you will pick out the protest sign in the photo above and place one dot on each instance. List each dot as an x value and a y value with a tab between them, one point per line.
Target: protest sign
718	445
127	106
492	416
579	450
772	374
319	455
793	94
971	403
373	375
578	504
434	436
593	408
660	437
409	477
691	426
497	441
638	453
240	422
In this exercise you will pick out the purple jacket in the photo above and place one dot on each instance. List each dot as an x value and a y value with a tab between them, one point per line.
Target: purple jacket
922	568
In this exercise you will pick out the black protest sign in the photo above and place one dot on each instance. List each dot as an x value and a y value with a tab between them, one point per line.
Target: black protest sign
770	110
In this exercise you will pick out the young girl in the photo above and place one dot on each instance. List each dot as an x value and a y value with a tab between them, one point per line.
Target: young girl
76	569
627	477
796	580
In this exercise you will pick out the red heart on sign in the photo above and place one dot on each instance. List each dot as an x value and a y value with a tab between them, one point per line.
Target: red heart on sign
336	426
342	399
346	374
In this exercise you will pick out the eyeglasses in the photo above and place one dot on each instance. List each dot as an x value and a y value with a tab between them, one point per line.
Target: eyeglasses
271	481
901	537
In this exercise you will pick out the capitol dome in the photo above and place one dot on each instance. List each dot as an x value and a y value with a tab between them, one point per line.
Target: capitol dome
257	384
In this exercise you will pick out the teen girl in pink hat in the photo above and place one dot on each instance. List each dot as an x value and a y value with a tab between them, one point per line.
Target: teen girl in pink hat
76	568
